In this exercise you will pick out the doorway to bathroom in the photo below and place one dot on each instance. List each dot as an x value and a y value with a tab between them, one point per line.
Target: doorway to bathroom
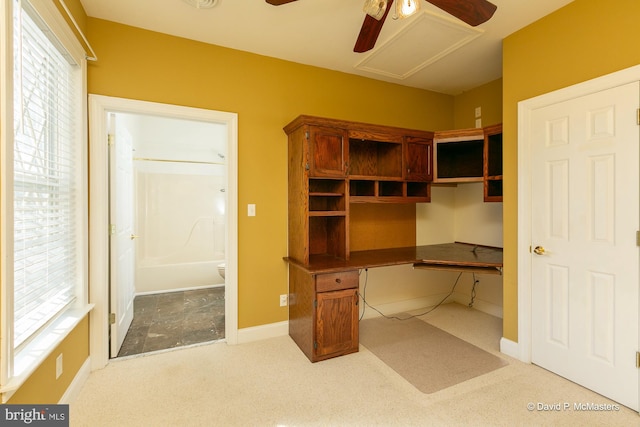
165	186
168	198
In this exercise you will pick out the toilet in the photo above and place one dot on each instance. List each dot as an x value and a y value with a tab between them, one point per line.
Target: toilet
221	270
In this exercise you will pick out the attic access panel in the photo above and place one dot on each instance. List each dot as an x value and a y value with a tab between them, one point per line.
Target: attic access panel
428	38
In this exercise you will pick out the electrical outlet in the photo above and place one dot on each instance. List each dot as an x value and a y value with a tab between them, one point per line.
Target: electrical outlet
478	112
59	366
283	300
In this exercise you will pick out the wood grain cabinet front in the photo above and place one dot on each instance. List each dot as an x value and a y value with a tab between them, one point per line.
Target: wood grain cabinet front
336	323
327	152
323	313
334	164
418	159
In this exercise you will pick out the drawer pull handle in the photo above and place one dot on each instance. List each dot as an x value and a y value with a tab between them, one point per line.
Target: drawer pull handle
338	280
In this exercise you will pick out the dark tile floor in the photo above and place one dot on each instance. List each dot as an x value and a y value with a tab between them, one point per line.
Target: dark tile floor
175	319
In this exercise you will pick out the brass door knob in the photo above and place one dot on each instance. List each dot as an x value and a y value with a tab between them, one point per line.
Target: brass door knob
539	250
133	236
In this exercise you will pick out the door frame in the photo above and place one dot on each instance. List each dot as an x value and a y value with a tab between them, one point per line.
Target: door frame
99	107
525	109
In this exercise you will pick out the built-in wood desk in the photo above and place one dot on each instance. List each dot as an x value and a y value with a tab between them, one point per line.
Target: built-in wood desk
450	256
323	295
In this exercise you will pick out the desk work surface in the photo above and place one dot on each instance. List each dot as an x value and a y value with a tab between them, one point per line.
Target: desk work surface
446	256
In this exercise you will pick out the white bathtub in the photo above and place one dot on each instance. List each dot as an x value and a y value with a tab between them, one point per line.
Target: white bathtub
173	277
180	217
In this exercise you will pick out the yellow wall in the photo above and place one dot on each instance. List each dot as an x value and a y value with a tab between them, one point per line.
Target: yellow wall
488	97
42	387
583	40
266	93
455	212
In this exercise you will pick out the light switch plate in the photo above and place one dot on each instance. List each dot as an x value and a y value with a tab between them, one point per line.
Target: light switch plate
251	209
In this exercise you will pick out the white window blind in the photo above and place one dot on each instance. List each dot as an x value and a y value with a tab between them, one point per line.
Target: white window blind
46	185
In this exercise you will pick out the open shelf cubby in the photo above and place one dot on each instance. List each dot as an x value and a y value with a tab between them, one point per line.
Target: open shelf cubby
327	236
459	159
493	163
326	195
326	187
494	188
375	158
390	188
364	188
494	155
418	189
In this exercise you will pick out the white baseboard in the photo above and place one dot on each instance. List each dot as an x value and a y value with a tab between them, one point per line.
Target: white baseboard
478	304
78	381
510	348
278	329
257	333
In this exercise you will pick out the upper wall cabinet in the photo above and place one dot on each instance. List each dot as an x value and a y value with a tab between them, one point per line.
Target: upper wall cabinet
328	155
418	159
382	164
470	155
459	155
333	163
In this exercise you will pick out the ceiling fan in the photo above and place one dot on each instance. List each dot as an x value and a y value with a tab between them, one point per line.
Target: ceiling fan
473	12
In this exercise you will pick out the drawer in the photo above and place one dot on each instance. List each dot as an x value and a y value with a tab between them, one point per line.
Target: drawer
336	281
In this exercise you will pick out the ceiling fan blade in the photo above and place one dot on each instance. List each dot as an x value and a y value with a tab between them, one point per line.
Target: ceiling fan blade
473	12
370	31
279	2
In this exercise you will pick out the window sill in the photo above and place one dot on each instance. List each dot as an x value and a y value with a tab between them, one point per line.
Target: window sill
37	351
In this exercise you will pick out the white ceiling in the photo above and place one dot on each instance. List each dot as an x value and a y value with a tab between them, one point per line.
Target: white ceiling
430	50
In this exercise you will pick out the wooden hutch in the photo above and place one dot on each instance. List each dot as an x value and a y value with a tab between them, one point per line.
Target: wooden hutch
332	164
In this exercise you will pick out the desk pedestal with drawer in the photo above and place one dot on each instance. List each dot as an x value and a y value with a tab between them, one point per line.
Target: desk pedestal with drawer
323	294
323	312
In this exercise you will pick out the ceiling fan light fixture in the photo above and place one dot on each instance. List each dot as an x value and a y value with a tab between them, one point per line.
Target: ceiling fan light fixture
406	8
375	8
202	4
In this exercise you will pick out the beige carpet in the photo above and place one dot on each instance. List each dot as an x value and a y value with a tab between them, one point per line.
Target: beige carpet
427	357
272	383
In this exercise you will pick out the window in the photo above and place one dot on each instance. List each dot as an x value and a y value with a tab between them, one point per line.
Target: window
44	180
44	200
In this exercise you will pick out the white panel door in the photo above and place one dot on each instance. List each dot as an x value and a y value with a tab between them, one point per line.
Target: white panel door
122	236
585	214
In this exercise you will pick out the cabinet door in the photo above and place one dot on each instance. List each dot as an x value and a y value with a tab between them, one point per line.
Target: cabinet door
419	159
336	323
327	152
